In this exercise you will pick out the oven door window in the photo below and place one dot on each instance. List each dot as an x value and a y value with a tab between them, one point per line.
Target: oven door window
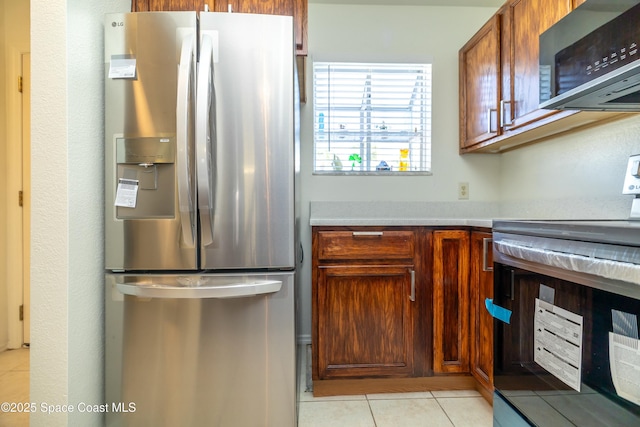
540	396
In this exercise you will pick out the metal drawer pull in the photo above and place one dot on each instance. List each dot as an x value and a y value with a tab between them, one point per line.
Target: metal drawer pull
412	297
485	253
367	233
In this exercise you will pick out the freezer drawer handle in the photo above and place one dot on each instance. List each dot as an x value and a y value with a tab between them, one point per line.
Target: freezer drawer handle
234	290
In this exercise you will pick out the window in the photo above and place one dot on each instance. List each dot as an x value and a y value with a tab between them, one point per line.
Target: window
372	118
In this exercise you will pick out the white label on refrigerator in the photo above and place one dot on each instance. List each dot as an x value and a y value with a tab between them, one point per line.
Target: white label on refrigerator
127	193
558	342
122	68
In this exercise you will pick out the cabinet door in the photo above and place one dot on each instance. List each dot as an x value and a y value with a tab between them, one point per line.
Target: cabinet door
365	321
295	8
481	322
479	67
526	20
450	301
160	5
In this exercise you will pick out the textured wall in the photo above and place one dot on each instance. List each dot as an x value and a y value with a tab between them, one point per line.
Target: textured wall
578	175
67	176
50	216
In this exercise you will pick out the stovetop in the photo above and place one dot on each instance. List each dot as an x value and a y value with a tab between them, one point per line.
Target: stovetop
614	232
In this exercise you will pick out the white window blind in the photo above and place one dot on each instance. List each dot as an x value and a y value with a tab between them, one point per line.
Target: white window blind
372	118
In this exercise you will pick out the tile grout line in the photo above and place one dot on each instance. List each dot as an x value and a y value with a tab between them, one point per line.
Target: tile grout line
373	417
445	412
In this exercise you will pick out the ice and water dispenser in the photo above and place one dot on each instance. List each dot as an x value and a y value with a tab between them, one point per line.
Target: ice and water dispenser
145	177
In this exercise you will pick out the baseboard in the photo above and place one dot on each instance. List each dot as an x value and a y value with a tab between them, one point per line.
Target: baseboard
340	387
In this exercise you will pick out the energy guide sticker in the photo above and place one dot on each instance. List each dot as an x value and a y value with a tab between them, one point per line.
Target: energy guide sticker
558	342
127	193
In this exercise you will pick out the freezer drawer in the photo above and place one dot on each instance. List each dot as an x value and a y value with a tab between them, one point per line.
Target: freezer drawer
217	360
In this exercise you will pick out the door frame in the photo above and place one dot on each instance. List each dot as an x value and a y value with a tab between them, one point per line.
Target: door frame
18	161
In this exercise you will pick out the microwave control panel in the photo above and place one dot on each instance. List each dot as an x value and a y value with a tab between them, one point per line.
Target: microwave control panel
632	177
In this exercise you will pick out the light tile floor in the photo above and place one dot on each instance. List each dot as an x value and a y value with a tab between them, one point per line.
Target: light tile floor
462	408
433	409
14	386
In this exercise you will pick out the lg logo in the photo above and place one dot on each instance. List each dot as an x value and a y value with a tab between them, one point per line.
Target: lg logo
117	24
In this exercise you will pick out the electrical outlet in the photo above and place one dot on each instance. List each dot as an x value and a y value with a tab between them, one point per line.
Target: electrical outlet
463	190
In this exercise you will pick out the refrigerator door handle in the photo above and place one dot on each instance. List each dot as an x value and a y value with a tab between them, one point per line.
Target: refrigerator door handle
205	131
185	199
234	290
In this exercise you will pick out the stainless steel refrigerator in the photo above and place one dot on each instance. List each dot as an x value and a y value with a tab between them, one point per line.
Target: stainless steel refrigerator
201	245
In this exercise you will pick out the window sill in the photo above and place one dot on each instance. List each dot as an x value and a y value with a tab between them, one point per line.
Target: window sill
373	173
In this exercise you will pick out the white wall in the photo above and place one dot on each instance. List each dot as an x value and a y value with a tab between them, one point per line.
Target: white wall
67	276
394	33
578	175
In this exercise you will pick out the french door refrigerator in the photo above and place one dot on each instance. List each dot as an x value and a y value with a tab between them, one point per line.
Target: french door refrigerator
201	125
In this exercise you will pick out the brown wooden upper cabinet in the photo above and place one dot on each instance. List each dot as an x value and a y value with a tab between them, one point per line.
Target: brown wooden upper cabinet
160	5
524	21
295	8
480	86
499	83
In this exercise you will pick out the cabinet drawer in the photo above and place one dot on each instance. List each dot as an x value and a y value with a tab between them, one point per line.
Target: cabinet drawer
366	244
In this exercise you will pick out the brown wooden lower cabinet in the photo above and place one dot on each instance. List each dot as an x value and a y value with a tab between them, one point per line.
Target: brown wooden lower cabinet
450	301
391	309
481	322
365	297
365	321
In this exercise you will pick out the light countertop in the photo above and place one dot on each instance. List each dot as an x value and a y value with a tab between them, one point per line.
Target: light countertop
472	214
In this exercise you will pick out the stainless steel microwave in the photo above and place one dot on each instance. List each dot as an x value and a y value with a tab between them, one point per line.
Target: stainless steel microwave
589	60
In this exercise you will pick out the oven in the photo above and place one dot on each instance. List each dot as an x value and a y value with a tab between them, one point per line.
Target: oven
566	306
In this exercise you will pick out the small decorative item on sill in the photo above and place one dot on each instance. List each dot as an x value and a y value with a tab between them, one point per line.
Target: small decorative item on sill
354	158
404	159
383	166
336	163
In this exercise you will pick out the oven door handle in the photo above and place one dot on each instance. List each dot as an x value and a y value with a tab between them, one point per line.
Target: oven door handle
609	269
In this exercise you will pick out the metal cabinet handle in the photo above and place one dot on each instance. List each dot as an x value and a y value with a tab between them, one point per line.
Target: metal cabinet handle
503	121
412	297
485	253
367	233
489	110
